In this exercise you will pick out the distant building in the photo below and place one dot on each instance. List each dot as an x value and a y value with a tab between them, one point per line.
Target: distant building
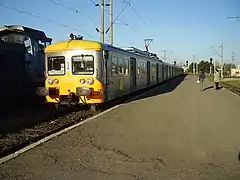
236	71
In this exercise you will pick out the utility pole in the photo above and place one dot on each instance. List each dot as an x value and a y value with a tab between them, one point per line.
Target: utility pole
221	46
232	57
102	5
232	63
102	32
211	64
214	67
196	67
194	70
111	21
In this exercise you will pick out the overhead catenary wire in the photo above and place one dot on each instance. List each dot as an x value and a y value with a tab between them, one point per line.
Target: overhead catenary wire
92	2
136	13
44	19
74	10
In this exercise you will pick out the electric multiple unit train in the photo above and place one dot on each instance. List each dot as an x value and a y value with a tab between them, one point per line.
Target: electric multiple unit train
90	72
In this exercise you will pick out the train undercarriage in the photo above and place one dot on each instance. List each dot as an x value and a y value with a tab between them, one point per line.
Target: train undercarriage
70	100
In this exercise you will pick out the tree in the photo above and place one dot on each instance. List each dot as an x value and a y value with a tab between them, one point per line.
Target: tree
204	66
190	69
227	69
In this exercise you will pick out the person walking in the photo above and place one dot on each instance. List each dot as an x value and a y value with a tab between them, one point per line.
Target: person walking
201	79
216	79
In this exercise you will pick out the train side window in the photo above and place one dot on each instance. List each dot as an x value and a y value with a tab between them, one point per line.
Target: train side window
114	66
120	66
154	68
160	71
143	67
138	67
126	66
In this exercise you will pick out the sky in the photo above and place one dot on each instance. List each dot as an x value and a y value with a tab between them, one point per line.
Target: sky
183	27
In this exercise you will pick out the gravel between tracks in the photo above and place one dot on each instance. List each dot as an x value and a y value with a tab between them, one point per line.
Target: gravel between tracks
14	141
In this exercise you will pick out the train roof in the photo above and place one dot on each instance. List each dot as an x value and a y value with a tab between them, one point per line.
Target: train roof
95	45
74	44
89	44
36	34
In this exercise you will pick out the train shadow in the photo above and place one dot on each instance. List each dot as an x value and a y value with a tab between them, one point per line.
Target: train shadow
162	88
15	117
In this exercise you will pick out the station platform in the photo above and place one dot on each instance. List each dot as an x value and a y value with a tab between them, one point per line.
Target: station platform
172	132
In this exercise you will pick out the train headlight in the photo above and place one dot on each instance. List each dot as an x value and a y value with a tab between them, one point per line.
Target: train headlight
56	81
50	81
82	81
90	80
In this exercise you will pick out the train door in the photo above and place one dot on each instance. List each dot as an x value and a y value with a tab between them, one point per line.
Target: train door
167	72
105	65
163	77
132	73
157	71
148	73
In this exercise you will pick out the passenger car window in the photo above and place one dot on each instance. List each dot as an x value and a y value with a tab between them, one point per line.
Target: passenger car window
126	66
120	66
114	66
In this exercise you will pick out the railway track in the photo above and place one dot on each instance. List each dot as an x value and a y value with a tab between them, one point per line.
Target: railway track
53	122
12	142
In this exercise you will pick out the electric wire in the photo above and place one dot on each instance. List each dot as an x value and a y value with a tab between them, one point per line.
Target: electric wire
44	19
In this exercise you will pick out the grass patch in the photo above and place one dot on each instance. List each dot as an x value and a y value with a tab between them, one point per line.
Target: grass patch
235	83
231	85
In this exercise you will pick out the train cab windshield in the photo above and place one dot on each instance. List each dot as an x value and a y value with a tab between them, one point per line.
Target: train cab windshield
82	65
56	65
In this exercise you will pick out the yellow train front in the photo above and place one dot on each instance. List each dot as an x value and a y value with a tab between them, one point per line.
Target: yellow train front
72	73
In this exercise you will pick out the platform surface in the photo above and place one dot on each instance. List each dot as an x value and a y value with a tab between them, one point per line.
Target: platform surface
172	132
